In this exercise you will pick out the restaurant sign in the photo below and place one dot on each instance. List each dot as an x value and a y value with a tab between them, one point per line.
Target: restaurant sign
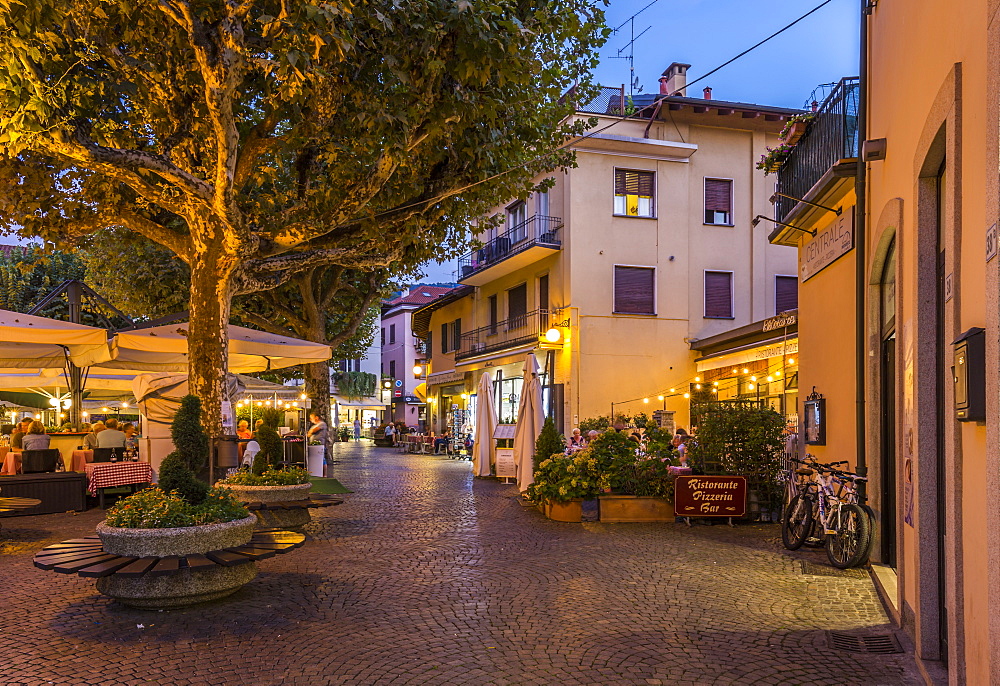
710	496
830	244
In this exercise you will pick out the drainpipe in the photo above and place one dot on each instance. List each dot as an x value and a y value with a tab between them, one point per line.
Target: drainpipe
861	240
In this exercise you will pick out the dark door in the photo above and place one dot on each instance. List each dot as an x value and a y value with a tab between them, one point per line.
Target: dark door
888	449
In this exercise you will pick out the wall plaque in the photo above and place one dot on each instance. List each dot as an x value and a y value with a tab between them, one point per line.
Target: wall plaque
829	245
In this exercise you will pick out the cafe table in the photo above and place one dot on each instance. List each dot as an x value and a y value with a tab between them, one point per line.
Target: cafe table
103	475
11	460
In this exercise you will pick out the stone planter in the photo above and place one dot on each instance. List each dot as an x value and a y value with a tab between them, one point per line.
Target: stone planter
563	512
281	519
633	508
186	587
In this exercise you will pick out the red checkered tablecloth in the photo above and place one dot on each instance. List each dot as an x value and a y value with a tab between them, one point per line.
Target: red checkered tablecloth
111	474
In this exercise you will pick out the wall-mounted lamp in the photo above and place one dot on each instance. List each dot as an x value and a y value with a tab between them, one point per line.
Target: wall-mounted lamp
838	211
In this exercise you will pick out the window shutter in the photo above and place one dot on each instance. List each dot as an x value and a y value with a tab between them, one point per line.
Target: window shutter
430	343
517	305
392	333
719	295
634	290
620	175
644	184
444	338
494	315
543	292
392	368
786	294
633	183
718	195
456	331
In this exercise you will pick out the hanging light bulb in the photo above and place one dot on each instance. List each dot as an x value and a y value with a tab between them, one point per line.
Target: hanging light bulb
746	371
673	390
750	386
753	378
697	386
687	395
697	378
735	370
659	397
791	360
715	383
770	379
777	373
645	400
714	390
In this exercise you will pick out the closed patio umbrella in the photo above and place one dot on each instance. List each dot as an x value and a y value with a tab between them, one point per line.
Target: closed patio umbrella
486	423
530	418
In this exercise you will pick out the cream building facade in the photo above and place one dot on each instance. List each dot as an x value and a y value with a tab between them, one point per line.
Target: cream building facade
645	246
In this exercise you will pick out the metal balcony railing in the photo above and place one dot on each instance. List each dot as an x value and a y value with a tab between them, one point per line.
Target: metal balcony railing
509	333
537	230
832	136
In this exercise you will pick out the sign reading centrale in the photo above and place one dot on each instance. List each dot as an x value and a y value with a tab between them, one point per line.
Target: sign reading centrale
830	244
710	496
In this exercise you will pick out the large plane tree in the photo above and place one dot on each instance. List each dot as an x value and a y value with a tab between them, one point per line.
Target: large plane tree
259	138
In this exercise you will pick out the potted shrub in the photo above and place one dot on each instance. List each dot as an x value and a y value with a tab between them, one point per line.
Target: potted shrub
268	481
180	516
563	482
345	434
644	494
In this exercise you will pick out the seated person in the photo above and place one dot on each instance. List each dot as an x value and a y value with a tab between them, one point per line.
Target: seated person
243	430
111	437
131	437
576	440
17	436
443	441
36	438
90	440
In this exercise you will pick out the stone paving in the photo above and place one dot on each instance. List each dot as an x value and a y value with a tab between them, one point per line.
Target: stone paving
427	576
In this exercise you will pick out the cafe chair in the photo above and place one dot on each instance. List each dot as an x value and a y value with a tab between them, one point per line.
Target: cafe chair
39	461
105	454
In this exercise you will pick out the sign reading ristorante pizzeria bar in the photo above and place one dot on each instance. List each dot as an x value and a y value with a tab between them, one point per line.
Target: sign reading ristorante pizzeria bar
833	242
710	496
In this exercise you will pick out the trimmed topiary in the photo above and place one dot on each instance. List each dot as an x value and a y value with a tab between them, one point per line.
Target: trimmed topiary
176	476
550	442
190	439
271	451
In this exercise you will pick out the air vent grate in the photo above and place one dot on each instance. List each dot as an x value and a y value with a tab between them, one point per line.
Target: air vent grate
879	644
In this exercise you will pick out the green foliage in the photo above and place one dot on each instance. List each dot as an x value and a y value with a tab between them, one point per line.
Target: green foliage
155	509
177	477
271	450
190	439
741	439
549	442
344	433
612	451
644	476
601	423
562	478
269	477
356	385
272	416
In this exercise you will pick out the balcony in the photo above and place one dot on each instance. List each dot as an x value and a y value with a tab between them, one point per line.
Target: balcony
510	333
832	137
517	247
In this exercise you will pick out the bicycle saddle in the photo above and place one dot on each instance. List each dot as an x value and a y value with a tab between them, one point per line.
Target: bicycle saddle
804	471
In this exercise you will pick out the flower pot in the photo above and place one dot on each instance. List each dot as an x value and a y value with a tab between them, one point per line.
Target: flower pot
186	587
795	132
282	519
315	460
633	508
571	511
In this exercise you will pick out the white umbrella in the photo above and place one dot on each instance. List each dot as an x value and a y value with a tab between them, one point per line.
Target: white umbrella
486	423
165	349
27	341
530	418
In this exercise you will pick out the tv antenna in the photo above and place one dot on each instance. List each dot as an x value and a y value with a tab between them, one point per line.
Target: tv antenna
633	80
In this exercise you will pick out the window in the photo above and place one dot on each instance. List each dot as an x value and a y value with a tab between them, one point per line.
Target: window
392	333
517	306
635	291
456	334
444	338
718	295
494	315
392	369
543	293
786	294
542	204
383	337
719	201
430	342
517	217
633	193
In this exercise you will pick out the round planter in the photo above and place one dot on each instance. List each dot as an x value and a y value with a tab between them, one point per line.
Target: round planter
281	519
186	587
564	512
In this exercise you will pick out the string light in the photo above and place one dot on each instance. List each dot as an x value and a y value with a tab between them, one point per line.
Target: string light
715	390
659	397
645	400
746	371
770	378
735	370
673	390
687	395
697	386
750	386
697	378
791	360
716	383
753	378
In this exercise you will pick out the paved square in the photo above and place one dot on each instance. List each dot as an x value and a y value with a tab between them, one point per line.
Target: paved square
427	576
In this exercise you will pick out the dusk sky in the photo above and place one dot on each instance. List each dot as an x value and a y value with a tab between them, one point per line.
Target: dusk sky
820	49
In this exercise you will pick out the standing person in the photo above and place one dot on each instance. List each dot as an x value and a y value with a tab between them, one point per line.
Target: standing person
318	431
357	429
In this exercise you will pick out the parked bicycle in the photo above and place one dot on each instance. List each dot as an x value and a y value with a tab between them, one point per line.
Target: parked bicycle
826	508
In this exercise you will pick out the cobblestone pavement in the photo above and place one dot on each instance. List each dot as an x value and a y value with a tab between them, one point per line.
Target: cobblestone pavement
426	576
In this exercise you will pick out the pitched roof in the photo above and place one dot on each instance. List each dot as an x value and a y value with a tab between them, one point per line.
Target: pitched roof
419	295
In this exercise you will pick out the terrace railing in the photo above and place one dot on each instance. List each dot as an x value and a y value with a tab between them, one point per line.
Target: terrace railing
509	333
537	230
832	136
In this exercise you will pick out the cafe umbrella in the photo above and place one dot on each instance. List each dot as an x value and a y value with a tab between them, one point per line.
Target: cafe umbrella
486	423
530	418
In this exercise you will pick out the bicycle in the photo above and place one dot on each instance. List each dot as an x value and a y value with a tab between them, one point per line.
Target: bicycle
845	525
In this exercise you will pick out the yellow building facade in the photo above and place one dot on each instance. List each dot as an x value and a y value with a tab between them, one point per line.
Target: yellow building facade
645	246
922	228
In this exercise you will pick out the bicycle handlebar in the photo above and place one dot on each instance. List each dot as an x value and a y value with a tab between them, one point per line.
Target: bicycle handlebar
831	469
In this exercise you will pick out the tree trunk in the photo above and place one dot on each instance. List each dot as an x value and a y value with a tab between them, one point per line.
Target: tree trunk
208	334
317	384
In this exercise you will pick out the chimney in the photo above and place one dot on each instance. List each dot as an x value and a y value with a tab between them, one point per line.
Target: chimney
676	75
707	93
663	86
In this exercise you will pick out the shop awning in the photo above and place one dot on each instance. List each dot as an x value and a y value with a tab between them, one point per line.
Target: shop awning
421	391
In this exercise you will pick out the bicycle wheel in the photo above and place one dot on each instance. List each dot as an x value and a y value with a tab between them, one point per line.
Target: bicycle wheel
848	547
871	531
797	522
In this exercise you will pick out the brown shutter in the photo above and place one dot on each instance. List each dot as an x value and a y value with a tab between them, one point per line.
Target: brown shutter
644	184
786	294
719	295
633	183
457	333
634	290
543	292
444	338
718	195
517	305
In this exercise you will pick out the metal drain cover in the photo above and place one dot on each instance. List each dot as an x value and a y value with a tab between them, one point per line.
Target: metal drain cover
881	644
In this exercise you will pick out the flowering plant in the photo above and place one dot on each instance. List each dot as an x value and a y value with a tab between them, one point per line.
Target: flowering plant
562	478
269	477
772	160
153	508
